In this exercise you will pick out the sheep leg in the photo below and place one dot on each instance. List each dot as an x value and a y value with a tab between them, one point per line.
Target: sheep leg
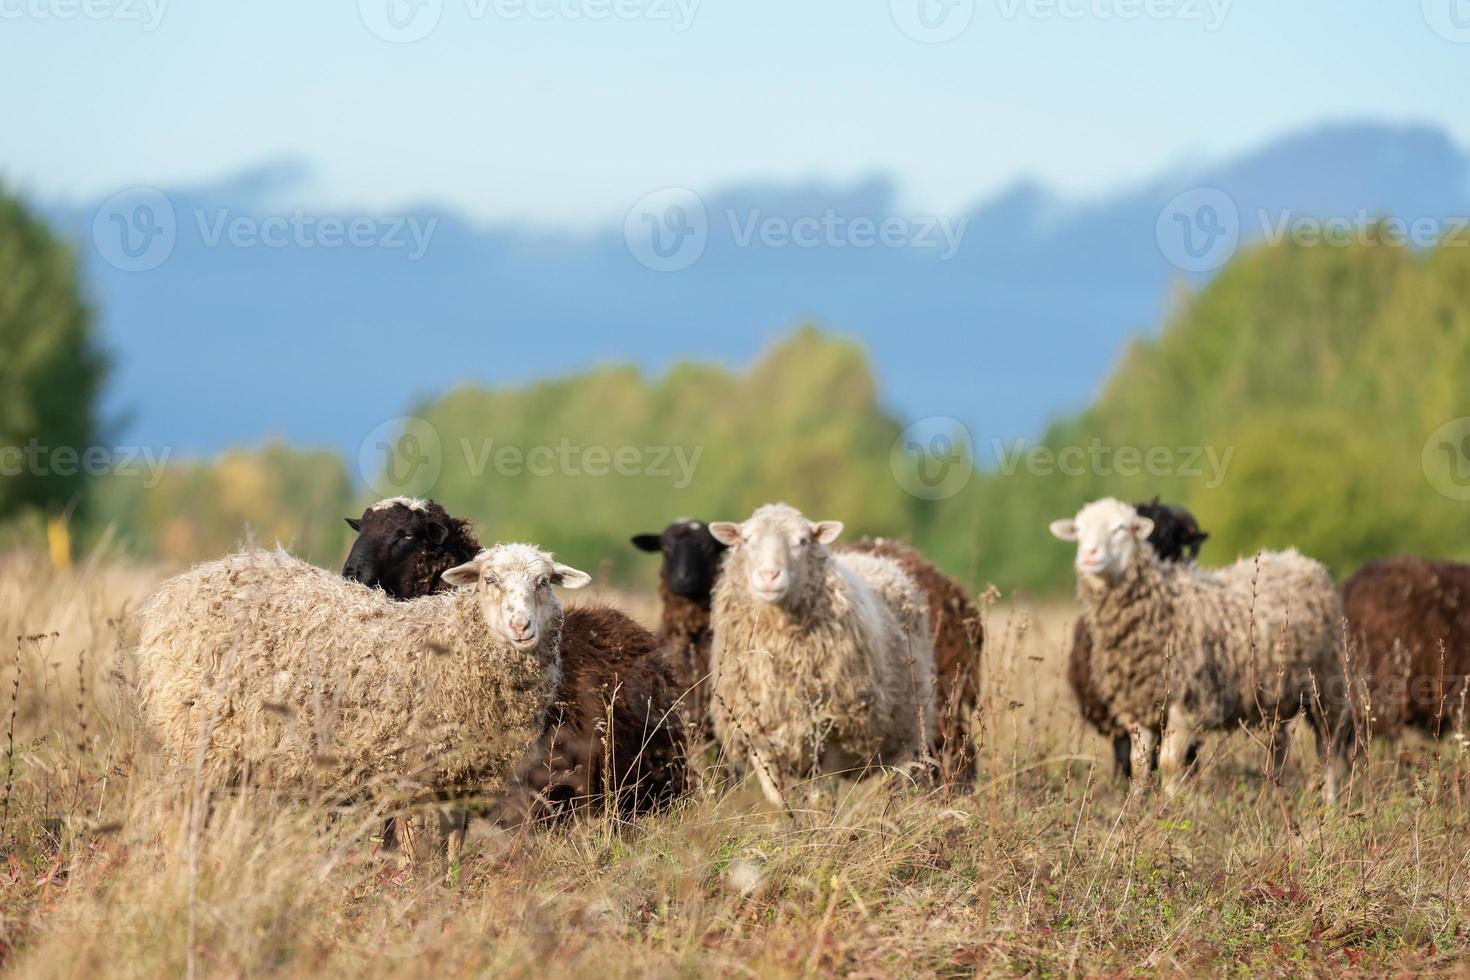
1337	747
767	778
1174	754
1145	741
1280	743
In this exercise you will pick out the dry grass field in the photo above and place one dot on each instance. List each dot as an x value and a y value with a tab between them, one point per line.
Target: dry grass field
1044	866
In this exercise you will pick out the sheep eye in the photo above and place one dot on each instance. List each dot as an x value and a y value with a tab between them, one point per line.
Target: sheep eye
542	583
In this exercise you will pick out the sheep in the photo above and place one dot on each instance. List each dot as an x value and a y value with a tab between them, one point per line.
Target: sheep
691	562
691	565
1176	537
1409	619
958	631
261	668
820	663
1185	651
607	659
405	546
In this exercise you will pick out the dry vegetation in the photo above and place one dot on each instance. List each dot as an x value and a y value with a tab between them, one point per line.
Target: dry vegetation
1046	867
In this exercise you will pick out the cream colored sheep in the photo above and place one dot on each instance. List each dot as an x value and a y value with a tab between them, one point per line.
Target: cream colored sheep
261	668
820	663
1180	650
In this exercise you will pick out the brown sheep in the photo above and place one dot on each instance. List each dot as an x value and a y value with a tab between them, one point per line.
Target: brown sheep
959	636
606	658
1176	537
1410	625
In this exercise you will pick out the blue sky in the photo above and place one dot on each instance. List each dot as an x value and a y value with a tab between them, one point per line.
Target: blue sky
568	119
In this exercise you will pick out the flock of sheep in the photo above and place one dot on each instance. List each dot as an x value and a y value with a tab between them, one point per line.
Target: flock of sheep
449	679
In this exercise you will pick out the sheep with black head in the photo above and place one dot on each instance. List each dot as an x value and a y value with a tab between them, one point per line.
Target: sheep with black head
405	546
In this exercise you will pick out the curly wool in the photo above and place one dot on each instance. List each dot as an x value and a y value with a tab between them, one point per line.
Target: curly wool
840	678
1410	620
614	671
958	632
684	626
1251	643
283	672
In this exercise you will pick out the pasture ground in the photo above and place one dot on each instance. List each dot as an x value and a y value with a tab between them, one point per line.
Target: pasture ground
1045	866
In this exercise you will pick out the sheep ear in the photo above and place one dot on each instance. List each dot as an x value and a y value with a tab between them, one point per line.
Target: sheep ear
1142	527
1064	530
438	533
826	532
648	542
726	533
569	578
354	523
461	575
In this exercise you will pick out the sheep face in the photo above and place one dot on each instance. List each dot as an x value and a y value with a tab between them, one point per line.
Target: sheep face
691	557
777	542
392	535
1176	535
514	585
1108	533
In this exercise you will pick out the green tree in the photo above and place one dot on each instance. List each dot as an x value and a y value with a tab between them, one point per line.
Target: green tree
51	366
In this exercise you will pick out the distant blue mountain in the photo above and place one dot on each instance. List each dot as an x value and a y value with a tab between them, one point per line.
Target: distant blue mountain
222	344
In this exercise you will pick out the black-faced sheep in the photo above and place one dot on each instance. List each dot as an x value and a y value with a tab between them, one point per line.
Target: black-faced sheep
820	663
405	546
1176	537
1179	651
607	659
691	566
1410	626
261	668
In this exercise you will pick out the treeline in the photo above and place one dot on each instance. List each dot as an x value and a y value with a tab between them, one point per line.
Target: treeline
1308	396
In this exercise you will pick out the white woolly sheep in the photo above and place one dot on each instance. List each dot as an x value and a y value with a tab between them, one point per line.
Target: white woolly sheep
261	668
1180	650
821	663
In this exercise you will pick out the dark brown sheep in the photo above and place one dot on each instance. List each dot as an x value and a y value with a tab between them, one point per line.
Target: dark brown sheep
1409	619
1176	537
959	637
691	565
607	659
405	545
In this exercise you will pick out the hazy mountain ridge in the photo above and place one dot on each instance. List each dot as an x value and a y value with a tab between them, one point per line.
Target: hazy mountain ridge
223	345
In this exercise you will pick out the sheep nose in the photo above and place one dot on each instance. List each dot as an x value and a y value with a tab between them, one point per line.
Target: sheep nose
520	625
770	575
